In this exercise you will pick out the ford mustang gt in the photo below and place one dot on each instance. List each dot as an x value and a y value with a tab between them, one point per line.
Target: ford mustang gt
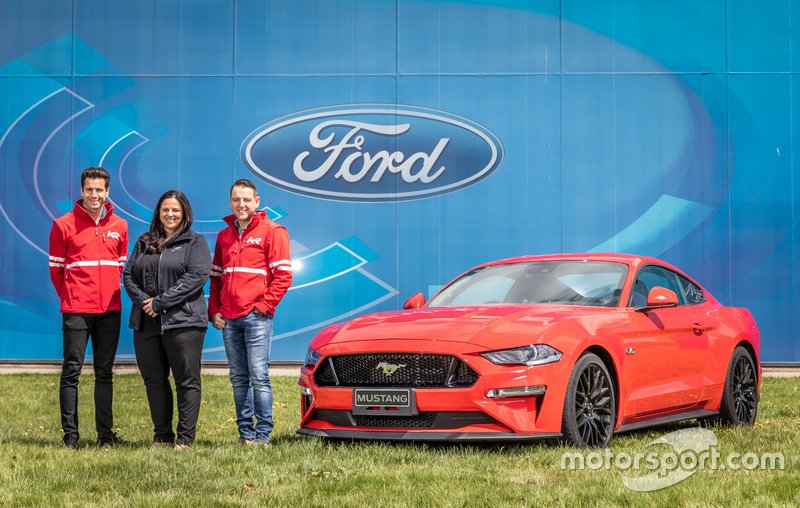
572	346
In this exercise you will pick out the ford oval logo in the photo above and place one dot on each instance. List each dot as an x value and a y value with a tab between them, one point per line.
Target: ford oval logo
372	152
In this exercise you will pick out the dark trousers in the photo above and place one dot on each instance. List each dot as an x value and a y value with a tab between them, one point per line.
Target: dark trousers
103	329
156	354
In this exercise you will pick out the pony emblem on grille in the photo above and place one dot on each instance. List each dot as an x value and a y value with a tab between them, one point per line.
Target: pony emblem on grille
389	368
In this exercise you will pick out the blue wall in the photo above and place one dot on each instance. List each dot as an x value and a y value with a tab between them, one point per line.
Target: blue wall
666	128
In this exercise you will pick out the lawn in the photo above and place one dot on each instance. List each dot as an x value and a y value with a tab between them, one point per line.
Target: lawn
36	470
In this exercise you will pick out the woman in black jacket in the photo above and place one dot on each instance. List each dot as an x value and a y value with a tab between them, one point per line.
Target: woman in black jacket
164	278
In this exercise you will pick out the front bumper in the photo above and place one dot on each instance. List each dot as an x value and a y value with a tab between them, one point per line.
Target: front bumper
327	411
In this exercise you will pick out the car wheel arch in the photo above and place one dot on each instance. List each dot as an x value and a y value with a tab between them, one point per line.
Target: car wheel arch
608	361
741	341
746	344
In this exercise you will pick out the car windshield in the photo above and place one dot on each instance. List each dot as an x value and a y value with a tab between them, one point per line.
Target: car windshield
560	282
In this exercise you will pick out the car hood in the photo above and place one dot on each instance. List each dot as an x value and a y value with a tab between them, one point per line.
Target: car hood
489	326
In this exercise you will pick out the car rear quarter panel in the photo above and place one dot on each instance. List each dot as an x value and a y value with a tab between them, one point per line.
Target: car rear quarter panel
735	326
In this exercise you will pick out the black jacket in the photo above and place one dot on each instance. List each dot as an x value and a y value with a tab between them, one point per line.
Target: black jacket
183	269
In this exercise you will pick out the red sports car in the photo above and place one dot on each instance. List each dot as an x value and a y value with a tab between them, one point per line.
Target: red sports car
571	346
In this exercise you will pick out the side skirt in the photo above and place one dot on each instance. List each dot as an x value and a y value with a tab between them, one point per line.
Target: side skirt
700	413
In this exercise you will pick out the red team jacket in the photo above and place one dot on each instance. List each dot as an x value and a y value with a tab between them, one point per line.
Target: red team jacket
86	260
250	271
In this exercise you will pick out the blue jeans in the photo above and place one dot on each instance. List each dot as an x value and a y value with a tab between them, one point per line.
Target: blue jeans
247	343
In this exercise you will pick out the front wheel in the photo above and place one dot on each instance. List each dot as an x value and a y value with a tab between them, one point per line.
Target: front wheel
740	396
589	406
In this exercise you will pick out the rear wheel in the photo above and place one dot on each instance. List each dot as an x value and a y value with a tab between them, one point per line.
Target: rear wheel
740	396
589	406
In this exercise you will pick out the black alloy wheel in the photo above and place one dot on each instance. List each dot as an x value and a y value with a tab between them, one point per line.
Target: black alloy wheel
740	396
590	406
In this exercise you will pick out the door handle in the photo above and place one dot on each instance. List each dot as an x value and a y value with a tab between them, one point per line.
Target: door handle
698	328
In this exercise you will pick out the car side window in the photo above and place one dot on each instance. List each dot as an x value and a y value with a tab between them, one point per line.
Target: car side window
650	277
691	292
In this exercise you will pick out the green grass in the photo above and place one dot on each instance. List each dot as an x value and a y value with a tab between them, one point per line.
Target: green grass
36	470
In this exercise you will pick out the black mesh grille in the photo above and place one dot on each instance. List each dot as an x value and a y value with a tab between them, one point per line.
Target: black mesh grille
424	420
464	376
412	370
420	421
324	375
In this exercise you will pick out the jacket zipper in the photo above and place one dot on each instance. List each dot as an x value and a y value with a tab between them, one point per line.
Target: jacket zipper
235	262
99	268
160	280
160	256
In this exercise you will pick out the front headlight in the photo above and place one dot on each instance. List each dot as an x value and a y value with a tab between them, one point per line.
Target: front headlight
312	357
535	354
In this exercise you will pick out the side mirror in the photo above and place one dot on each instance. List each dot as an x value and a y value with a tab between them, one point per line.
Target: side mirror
415	302
662	297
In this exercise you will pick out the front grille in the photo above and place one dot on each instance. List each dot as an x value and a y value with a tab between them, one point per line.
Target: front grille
420	421
413	370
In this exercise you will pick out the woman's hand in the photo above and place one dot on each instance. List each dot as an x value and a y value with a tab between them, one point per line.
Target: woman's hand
148	308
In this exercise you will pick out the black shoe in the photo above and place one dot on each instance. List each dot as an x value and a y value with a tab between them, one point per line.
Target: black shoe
71	442
110	440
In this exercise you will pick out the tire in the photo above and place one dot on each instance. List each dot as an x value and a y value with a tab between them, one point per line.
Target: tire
739	405
590	405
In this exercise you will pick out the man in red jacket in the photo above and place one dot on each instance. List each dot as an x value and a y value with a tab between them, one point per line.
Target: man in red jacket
88	247
250	273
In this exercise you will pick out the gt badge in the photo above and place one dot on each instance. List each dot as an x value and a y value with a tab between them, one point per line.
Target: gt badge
389	368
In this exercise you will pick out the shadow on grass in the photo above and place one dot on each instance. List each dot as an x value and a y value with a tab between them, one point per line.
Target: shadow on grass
83	443
506	447
666	428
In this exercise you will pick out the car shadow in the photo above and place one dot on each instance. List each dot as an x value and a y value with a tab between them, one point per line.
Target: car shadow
666	428
466	446
521	446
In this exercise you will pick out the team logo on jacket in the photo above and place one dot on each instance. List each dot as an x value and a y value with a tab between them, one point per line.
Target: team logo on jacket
113	234
372	152
256	241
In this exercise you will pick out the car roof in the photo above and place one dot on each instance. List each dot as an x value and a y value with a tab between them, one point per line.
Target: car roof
633	261
608	257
